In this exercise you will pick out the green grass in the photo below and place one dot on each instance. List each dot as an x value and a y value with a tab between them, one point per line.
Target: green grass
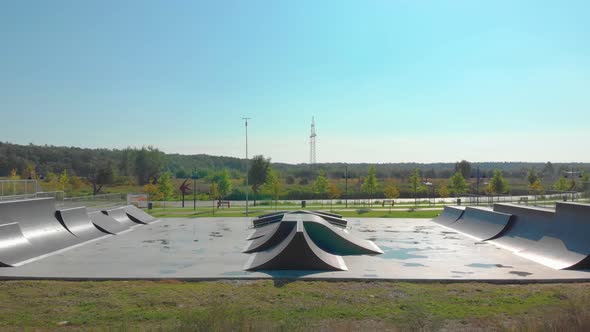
267	305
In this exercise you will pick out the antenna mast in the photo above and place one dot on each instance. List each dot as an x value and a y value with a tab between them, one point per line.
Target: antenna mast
312	136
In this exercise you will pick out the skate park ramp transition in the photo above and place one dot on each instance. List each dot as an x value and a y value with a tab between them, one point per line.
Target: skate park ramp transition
32	229
304	241
449	215
482	224
557	239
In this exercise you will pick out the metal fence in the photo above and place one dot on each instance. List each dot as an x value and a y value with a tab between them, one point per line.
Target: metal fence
94	202
18	188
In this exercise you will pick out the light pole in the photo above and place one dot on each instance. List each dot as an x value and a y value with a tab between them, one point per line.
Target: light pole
247	166
573	174
346	185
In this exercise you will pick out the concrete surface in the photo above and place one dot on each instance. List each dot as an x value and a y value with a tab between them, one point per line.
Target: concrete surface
211	248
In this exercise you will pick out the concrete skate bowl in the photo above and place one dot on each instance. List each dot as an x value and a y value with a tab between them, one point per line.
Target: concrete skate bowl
304	241
33	229
557	239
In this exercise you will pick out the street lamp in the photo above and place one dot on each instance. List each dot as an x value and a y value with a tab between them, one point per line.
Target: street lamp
247	166
573	174
431	185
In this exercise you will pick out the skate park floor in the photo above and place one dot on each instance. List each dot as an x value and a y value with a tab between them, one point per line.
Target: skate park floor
211	249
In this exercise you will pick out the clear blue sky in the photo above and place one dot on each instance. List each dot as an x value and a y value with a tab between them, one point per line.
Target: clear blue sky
387	81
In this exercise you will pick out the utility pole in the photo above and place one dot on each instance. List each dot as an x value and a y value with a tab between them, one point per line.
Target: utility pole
194	177
247	164
346	185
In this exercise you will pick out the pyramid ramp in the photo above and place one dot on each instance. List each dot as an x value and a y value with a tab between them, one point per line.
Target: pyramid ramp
262	230
296	252
279	232
335	240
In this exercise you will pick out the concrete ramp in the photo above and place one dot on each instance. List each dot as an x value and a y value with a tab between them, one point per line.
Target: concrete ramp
120	215
77	221
38	224
335	215
296	252
335	240
268	219
279	232
14	247
329	217
482	224
566	242
449	215
138	215
262	230
106	223
529	225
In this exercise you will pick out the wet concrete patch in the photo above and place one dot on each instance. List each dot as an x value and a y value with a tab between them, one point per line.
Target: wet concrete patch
521	273
400	253
488	266
414	265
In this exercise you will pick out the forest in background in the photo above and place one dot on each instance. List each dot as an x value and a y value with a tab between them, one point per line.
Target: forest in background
134	168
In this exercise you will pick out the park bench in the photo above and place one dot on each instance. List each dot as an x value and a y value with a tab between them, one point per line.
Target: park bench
222	203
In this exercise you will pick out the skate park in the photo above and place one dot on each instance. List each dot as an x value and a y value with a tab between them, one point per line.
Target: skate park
505	243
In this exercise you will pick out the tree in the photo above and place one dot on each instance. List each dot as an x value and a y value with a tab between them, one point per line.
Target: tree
548	170
153	191
536	187
30	172
464	167
320	185
457	184
415	184
257	173
103	174
223	181
76	183
63	180
391	191
14	175
214	193
443	191
333	193
165	187
148	164
532	176
273	185
498	185
370	184
562	184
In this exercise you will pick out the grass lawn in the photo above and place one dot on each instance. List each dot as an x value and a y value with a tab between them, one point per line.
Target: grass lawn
291	306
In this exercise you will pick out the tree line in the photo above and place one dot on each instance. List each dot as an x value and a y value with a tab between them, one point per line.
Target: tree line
71	167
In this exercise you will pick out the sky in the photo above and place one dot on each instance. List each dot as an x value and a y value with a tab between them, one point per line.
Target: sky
387	81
